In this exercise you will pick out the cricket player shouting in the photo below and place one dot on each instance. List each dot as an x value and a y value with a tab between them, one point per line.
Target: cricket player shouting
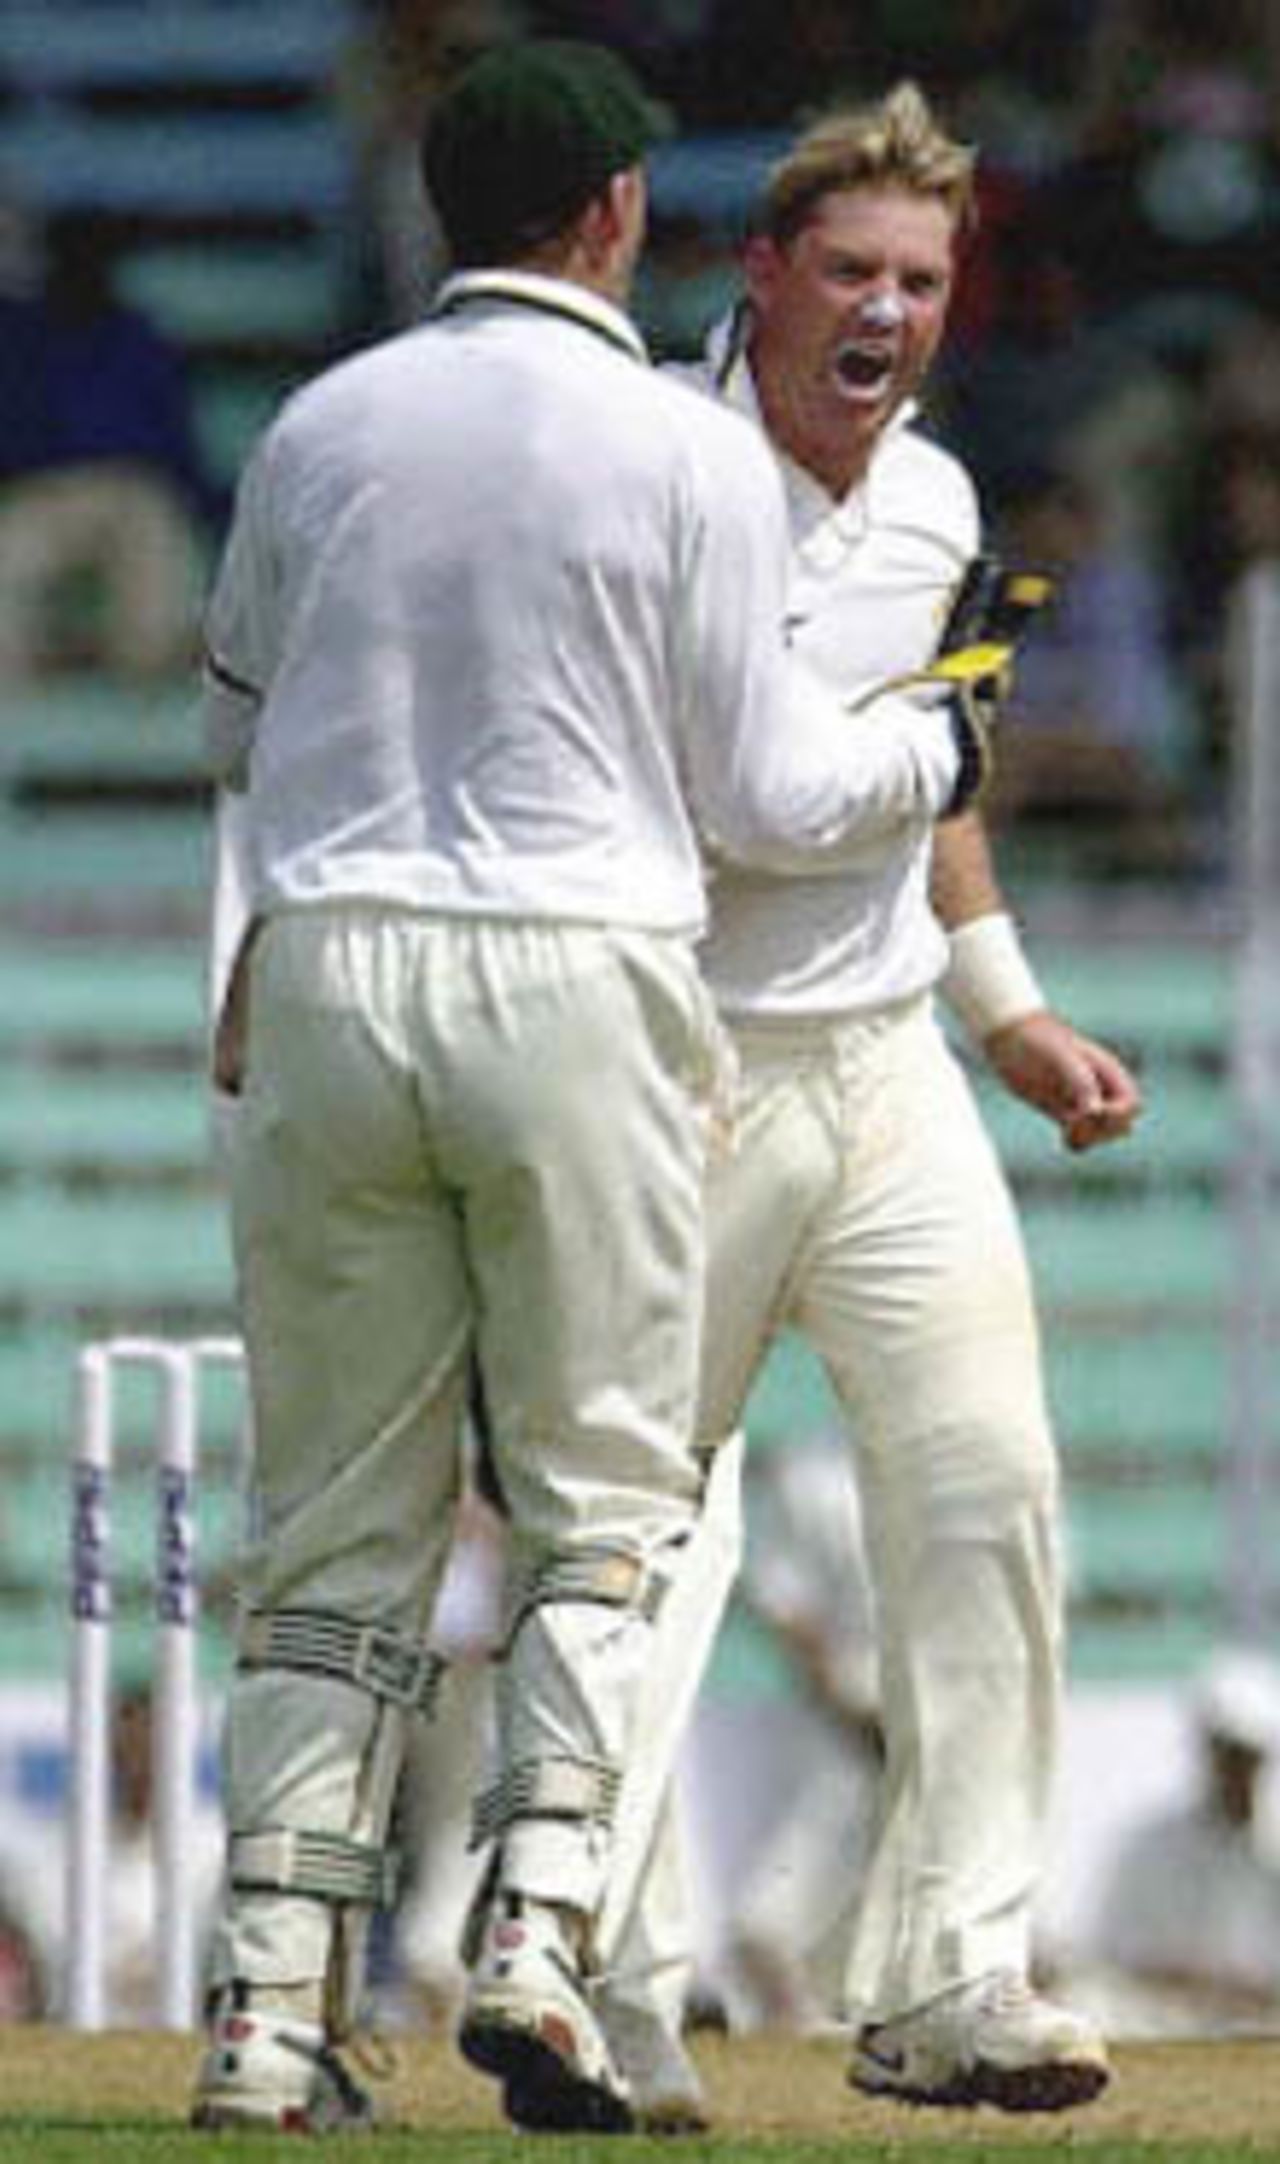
495	650
863	1205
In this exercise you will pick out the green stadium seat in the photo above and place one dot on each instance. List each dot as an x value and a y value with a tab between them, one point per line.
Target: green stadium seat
791	1395
1104	1255
36	1369
106	862
242	293
1153	1536
132	1257
1109	1647
1165	997
232	407
69	996
1157	1394
64	1125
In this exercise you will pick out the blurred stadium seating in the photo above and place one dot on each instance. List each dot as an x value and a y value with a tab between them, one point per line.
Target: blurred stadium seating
110	1218
216	149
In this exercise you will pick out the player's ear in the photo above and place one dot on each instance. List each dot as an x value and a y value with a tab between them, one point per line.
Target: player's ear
616	216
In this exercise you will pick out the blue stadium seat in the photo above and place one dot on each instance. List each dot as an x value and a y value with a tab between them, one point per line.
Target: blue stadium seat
134	42
244	165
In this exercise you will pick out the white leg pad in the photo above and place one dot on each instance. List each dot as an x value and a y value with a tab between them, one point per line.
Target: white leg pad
313	1757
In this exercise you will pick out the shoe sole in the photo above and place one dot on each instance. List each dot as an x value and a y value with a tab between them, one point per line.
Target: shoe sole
542	2091
1060	2086
673	2121
212	2118
537	2112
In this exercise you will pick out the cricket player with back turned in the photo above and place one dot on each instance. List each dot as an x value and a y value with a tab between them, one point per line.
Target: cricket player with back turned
495	652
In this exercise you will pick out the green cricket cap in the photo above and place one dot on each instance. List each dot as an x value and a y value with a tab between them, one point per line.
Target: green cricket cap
524	139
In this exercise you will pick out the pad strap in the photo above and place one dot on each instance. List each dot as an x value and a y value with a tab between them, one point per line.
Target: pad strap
609	1576
569	1788
324	1866
385	1663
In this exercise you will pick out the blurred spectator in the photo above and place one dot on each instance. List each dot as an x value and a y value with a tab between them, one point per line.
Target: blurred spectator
24	1984
1167	218
1236	516
1188	1924
688	277
1004	69
1247	467
131	1904
761	66
1145	240
1238	448
104	505
21	252
129	1933
1099	723
664	40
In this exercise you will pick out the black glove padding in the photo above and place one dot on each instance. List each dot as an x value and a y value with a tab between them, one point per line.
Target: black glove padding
971	715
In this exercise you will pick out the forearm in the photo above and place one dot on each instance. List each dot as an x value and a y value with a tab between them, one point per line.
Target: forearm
963	881
808	784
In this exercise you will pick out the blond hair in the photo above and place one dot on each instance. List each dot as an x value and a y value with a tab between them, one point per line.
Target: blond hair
894	143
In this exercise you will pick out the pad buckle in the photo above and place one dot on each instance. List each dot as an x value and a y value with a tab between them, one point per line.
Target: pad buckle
388	1667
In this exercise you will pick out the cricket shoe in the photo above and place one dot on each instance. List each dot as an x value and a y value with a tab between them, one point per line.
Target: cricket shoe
527	2021
263	2068
661	2079
990	2042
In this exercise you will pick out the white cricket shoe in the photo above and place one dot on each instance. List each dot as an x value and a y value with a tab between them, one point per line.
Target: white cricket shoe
527	2020
263	2068
990	2042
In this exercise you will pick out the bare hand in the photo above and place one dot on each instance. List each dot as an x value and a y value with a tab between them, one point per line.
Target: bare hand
1084	1088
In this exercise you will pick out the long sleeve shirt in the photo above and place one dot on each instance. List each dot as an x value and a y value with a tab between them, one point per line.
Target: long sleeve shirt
499	630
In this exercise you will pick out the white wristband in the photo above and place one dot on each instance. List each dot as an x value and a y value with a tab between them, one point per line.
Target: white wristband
989	981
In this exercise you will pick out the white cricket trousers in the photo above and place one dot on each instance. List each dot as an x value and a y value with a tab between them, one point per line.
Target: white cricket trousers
864	1207
455	1134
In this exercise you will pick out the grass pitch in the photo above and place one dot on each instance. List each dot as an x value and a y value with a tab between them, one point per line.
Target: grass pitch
70	2099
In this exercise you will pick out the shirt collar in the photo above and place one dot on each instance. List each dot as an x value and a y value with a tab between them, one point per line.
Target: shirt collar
549	296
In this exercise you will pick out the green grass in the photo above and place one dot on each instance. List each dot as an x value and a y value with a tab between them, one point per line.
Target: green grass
67	2099
62	2142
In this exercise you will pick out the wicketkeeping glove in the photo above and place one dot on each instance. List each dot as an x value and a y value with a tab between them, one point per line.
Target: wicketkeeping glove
972	714
992	606
974	662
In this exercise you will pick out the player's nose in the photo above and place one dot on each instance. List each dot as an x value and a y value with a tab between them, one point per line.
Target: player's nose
882	310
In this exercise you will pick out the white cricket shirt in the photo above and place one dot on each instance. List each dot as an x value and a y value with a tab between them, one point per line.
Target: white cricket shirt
871	577
496	631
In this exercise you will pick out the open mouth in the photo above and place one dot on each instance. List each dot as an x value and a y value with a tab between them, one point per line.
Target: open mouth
863	371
